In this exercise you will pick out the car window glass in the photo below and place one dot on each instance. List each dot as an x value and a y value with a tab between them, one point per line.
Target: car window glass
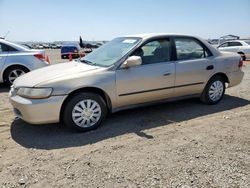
155	51
223	45
234	44
6	48
187	48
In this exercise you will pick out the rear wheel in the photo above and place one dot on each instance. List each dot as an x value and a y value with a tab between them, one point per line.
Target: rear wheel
214	90
84	111
13	73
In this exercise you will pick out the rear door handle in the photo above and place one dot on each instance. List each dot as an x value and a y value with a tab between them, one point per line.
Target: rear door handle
167	74
210	67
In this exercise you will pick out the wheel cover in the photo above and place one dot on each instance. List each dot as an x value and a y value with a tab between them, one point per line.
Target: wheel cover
14	74
216	90
86	113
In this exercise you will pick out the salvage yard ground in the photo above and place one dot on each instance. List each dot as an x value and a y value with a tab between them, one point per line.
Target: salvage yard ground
176	144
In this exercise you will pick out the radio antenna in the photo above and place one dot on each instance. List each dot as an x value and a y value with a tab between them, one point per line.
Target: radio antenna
6	34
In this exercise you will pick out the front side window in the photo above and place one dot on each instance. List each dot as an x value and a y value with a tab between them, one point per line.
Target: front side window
111	52
223	45
188	48
156	51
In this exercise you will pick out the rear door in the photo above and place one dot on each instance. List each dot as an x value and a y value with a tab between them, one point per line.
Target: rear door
194	65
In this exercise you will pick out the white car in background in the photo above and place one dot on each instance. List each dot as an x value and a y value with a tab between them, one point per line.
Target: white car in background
16	60
241	47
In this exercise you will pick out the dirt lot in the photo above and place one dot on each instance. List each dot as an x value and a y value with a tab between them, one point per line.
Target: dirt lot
178	144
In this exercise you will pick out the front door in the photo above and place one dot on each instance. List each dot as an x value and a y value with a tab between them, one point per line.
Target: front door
151	81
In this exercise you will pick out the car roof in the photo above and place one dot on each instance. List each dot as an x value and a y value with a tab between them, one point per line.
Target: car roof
14	45
234	41
150	35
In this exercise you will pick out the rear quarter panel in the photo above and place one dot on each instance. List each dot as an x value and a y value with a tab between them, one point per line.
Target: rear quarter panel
228	63
27	60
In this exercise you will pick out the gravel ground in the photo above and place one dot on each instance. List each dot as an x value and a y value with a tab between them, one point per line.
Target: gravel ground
178	144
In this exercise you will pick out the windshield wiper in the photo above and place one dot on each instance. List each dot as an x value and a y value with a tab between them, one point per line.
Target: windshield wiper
87	62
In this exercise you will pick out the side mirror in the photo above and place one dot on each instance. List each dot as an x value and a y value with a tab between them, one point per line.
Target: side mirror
132	61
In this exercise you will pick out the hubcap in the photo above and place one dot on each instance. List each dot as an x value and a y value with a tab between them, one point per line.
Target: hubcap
216	90
15	74
86	113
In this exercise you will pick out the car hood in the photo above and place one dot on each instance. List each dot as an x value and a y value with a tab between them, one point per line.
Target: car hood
49	73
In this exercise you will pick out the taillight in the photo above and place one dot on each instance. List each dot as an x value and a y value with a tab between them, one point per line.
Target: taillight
40	56
240	63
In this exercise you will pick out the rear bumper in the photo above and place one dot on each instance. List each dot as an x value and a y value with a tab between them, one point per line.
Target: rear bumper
235	78
38	111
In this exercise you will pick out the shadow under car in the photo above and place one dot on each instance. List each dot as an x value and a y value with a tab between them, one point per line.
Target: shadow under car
55	136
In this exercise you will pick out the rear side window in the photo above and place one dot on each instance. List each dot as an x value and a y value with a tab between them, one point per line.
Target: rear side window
189	48
234	44
6	48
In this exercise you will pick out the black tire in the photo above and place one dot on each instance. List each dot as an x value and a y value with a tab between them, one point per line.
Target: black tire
205	97
243	56
9	70
73	101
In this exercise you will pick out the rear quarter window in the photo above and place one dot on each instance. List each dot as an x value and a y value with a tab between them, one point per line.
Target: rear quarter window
6	48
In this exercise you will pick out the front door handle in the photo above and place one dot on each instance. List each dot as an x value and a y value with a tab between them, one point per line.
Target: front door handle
210	67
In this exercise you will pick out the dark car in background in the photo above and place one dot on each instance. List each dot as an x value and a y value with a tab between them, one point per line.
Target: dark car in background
74	50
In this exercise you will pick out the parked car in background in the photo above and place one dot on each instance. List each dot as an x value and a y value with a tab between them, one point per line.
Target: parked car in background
74	50
16	60
53	46
123	73
39	46
241	47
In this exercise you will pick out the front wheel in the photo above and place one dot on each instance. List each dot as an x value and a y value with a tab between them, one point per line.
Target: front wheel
214	91
84	111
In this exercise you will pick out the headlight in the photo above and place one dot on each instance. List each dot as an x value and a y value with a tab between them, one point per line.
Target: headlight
34	93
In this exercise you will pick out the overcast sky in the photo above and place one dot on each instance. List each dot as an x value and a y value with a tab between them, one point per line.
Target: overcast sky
52	20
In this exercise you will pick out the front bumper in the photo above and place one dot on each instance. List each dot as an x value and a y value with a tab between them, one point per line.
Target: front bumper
38	111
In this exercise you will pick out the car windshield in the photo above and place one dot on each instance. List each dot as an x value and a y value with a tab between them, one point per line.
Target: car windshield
111	52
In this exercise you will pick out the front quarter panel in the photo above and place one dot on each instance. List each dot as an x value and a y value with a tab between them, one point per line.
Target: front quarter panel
101	79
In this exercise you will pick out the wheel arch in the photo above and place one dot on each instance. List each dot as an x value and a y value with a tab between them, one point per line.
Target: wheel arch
95	90
11	66
220	74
